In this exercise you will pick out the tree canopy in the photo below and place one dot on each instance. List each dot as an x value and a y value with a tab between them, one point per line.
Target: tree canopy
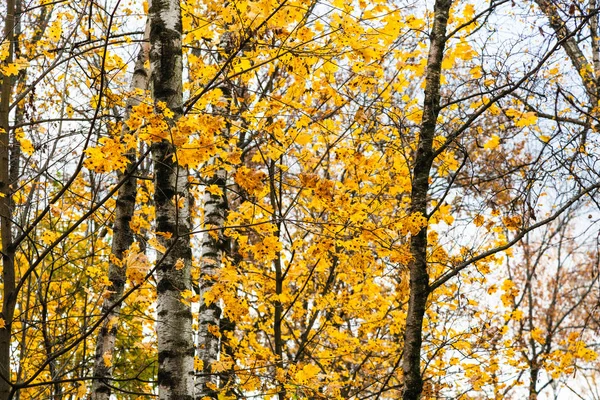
299	199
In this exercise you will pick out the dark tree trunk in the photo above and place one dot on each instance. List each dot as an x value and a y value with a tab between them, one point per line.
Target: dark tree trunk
419	277
6	209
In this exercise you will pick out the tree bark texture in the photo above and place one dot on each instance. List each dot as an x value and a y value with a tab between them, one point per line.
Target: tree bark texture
171	197
213	247
419	277
121	241
6	210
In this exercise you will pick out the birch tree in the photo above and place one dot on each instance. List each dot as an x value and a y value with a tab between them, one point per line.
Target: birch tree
122	240
171	197
214	247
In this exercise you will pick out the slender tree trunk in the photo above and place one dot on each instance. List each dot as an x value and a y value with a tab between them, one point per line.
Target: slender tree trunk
213	248
9	296
419	277
121	241
279	274
171	198
534	373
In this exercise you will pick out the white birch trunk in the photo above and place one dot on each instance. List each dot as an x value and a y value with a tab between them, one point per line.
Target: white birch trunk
121	241
213	247
171	197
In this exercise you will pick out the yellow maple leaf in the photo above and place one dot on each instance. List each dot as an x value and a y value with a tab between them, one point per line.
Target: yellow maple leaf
526	119
214	190
2	323
153	242
303	139
26	146
517	315
224	396
538	335
49	236
464	51
307	372
492	143
187	297
242	65
55	31
10	69
476	72
107	357
166	235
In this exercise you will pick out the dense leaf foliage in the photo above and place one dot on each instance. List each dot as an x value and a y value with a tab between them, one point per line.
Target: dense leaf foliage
319	191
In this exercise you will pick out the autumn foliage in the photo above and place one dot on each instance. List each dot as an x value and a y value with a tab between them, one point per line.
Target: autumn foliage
299	199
